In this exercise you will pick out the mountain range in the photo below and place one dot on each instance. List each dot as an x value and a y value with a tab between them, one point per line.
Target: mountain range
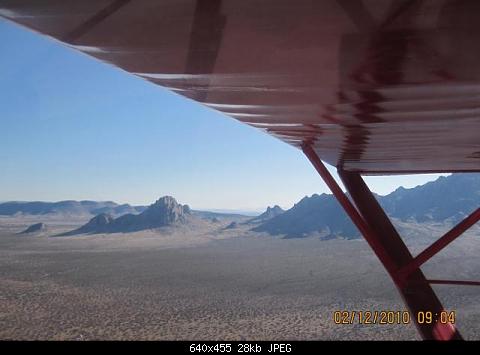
318	214
447	200
89	208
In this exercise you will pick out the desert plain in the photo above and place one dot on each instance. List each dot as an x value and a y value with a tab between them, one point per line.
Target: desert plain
210	283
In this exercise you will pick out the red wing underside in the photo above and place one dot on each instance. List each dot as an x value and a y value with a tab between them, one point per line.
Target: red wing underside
374	86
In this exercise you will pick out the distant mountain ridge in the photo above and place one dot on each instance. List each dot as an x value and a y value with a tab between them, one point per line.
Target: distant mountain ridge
69	207
447	199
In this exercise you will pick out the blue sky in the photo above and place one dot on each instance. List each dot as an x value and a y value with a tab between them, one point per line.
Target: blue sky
74	128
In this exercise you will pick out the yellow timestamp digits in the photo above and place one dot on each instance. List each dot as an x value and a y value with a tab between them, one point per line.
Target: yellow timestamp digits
393	317
442	317
371	317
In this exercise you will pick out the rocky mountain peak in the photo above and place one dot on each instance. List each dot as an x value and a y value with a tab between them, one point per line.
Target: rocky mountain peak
273	211
165	211
165	201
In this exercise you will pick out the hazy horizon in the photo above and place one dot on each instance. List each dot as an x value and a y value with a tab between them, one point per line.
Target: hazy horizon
233	209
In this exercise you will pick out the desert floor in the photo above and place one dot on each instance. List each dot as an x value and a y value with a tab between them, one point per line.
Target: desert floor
208	284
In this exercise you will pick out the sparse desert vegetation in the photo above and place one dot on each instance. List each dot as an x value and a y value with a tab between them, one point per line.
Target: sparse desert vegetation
211	283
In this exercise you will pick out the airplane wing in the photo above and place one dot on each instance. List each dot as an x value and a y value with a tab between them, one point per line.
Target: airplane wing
373	86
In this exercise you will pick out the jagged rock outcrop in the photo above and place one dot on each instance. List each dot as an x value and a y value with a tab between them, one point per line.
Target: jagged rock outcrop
270	213
165	211
35	228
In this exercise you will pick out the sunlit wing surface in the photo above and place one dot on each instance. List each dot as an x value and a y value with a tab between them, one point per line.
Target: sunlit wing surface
375	86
